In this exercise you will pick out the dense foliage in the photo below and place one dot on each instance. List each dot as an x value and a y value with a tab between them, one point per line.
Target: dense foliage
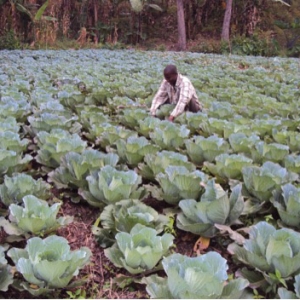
76	125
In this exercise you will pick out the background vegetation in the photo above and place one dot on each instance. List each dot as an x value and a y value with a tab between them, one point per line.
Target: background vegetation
257	27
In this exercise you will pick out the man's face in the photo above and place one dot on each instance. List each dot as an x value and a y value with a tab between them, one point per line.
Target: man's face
171	78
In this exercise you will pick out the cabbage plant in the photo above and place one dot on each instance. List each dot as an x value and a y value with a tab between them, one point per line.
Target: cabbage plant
56	144
122	216
287	204
201	149
75	167
213	126
146	125
130	117
213	207
11	162
169	136
265	126
48	263
158	162
290	138
201	277
6	277
10	107
113	133
37	217
140	250
192	120
262	181
262	152
229	166
292	163
47	121
133	150
9	124
11	141
109	186
19	185
179	183
269	250
242	143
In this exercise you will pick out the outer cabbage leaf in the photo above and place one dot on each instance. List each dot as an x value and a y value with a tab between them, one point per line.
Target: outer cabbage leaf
285	294
122	216
229	166
202	149
268	250
109	186
15	188
133	150
76	167
48	263
157	163
140	250
6	277
201	277
213	207
179	183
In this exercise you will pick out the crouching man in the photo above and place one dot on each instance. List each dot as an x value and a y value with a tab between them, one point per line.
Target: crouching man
176	89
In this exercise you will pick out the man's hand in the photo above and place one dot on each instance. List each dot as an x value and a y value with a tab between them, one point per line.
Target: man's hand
171	118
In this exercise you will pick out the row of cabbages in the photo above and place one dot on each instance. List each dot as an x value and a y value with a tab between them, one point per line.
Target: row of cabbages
226	140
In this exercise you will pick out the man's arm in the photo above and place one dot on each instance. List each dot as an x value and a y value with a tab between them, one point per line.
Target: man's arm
184	98
160	98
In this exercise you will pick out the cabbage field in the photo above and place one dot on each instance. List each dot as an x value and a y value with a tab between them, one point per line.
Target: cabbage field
207	206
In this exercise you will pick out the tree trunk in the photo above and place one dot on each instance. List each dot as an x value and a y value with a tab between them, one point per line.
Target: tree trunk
181	26
226	22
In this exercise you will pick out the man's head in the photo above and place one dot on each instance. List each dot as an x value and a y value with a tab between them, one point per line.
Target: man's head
170	74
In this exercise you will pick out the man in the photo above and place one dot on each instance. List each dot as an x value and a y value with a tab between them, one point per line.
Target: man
176	89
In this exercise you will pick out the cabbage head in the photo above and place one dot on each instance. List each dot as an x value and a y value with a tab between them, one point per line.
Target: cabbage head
146	125
109	186
214	207
229	166
36	217
158	162
290	138
11	162
179	183
130	117
269	250
169	136
48	263
140	250
242	143
75	167
15	188
56	144
11	141
292	163
6	277
133	150
262	152
201	149
262	181
122	216
201	277
287	204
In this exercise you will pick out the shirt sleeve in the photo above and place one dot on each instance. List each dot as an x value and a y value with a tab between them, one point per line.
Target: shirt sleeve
160	98
184	98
